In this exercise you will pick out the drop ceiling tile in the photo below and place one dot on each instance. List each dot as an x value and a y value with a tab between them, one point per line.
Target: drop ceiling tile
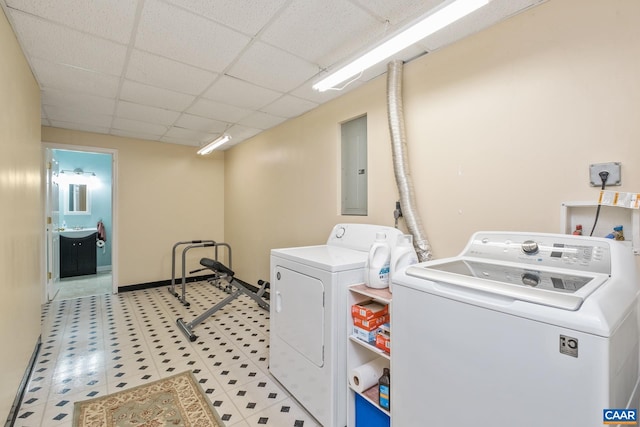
133	134
150	129
261	120
183	36
189	135
51	42
153	70
111	19
57	76
218	111
43	114
240	93
399	11
239	133
278	70
145	113
325	30
80	126
154	96
80	101
289	106
61	114
307	92
244	16
201	124
180	141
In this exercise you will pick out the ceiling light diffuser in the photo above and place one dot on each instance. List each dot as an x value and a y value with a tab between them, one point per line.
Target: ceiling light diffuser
434	21
214	144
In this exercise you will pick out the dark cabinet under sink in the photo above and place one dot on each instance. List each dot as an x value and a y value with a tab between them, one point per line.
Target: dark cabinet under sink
78	256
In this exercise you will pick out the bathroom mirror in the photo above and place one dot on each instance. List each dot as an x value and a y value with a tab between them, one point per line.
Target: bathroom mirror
78	200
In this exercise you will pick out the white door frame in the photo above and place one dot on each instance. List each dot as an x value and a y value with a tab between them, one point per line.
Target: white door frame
50	220
114	209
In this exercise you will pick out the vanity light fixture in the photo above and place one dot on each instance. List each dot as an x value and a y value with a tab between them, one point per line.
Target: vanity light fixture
223	139
434	21
77	176
78	172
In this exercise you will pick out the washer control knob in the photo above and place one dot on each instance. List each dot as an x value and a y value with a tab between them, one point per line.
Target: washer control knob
530	279
340	232
530	247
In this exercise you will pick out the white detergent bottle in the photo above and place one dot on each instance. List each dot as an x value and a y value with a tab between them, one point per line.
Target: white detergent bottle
377	273
402	255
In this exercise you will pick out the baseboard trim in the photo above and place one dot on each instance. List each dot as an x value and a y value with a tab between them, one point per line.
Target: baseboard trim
160	283
15	408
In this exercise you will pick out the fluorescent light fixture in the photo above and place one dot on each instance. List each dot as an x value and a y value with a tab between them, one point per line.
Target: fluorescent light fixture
223	139
433	22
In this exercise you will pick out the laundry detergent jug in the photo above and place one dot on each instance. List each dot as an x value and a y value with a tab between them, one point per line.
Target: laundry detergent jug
402	255
377	265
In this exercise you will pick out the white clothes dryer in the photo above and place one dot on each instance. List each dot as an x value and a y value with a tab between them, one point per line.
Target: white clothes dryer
308	321
523	329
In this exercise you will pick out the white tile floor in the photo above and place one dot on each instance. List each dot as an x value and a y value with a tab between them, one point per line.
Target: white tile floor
93	346
82	286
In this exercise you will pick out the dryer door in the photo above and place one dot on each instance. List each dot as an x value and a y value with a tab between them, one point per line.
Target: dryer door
299	313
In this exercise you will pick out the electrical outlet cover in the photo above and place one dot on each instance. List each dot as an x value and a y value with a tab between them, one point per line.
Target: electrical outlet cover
615	176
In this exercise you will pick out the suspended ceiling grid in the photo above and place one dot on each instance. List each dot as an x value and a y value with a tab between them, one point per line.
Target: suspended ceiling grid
186	71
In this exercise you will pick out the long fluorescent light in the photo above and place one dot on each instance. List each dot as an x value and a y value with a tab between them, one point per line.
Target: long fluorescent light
214	144
429	25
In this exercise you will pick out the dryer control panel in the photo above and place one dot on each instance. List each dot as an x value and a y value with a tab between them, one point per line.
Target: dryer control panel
543	250
359	237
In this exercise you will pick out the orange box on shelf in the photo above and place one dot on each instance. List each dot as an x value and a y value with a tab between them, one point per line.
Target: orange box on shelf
383	342
369	310
370	325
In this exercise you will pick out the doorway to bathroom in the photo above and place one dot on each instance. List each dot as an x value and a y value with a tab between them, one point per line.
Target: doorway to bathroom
80	222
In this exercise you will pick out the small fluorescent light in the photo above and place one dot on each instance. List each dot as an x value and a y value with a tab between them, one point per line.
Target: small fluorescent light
433	22
214	144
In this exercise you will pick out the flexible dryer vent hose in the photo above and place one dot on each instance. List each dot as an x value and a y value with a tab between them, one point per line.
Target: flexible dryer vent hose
400	161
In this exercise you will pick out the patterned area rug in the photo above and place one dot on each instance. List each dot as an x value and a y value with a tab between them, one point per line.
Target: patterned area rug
172	401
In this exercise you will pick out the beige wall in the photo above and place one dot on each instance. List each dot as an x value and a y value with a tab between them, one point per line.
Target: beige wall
501	128
20	214
166	194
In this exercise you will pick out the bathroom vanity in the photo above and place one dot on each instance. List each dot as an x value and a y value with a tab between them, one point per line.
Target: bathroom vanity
78	255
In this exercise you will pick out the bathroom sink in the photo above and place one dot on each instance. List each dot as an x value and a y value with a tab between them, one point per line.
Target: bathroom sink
77	233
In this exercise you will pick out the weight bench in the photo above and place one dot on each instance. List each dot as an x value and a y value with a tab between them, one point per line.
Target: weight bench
222	273
190	245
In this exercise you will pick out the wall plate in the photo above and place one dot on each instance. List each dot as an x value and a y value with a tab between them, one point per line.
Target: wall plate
615	176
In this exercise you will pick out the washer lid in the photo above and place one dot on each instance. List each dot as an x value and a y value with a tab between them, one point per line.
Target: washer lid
553	288
325	257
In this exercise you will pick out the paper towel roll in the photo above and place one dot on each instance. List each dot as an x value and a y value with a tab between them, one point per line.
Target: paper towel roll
367	375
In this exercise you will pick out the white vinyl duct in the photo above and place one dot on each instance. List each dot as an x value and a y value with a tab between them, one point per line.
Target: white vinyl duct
400	161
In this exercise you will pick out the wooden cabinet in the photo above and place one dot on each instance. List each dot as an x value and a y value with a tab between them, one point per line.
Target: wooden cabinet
78	256
360	353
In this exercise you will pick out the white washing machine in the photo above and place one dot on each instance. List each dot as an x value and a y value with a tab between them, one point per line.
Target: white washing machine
520	329
308	329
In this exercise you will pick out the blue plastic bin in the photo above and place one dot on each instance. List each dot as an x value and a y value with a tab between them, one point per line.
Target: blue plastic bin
368	415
